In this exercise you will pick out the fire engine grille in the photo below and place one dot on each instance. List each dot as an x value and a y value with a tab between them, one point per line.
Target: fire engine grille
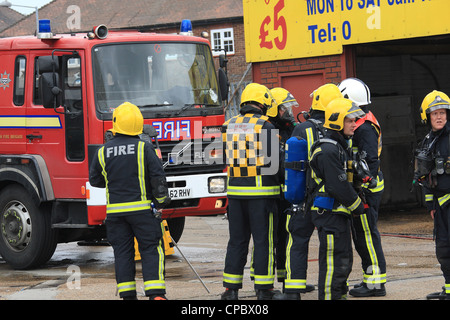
194	156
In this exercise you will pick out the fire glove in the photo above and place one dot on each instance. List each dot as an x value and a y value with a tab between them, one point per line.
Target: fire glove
160	191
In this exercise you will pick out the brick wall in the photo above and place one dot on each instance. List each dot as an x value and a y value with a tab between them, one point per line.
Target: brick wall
267	73
236	62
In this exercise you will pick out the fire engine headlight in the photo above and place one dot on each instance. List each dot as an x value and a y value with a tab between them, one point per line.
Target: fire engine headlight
217	184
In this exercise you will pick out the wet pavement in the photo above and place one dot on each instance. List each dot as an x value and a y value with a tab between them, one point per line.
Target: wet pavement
87	272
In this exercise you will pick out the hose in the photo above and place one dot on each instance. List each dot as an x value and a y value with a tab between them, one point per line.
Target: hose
399	235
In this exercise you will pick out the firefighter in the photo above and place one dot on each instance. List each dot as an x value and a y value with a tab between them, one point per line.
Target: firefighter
334	198
433	173
285	123
367	142
299	224
134	179
252	155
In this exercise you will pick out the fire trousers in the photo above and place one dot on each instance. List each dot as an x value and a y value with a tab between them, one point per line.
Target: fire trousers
300	228
148	231
442	236
250	218
281	235
367	242
280	240
335	254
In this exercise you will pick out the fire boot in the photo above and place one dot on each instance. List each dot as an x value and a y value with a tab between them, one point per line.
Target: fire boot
230	294
286	296
310	287
265	294
364	291
441	295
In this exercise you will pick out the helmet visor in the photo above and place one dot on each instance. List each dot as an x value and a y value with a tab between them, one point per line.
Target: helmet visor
285	111
437	107
355	112
290	104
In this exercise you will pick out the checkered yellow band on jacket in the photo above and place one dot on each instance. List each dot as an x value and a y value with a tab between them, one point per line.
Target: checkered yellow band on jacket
244	149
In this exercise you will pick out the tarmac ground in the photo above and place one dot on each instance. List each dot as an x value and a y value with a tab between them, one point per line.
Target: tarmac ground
87	272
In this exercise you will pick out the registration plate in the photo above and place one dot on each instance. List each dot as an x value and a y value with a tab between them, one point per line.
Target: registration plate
175	193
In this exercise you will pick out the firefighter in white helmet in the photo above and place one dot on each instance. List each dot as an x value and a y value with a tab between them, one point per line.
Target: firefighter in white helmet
366	144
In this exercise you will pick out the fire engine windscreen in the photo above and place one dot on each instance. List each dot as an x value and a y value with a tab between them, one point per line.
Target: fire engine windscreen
157	77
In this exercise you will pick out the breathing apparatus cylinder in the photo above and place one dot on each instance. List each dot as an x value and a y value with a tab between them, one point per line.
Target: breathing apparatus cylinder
296	164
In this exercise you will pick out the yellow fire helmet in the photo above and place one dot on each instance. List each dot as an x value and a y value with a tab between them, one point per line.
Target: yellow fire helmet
433	101
255	92
284	99
322	96
337	110
127	119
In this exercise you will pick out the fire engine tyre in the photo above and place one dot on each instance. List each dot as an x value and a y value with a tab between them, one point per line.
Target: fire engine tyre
26	237
176	227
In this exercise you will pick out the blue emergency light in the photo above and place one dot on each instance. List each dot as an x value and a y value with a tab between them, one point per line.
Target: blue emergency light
44	26
44	30
186	26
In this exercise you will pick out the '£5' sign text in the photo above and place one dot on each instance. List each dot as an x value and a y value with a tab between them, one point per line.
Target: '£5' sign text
279	22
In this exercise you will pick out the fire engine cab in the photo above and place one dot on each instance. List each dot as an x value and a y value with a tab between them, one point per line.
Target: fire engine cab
57	95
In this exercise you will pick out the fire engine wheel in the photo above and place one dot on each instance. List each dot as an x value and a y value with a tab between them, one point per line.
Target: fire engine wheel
27	239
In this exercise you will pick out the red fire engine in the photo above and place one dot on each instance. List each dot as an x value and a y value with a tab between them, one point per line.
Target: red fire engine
57	95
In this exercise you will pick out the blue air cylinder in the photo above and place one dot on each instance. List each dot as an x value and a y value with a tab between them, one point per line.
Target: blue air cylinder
296	164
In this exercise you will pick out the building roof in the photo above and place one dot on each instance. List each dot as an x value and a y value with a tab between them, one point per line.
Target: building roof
8	17
80	16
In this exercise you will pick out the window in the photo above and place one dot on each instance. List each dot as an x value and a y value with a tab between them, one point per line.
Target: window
73	104
19	81
222	40
37	100
160	78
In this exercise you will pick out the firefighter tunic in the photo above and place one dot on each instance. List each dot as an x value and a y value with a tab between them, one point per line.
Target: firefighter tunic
133	176
252	154
329	158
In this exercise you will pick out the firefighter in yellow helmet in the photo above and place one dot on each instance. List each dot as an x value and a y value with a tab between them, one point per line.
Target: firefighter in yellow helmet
284	119
252	155
285	123
299	225
333	198
133	176
433	173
